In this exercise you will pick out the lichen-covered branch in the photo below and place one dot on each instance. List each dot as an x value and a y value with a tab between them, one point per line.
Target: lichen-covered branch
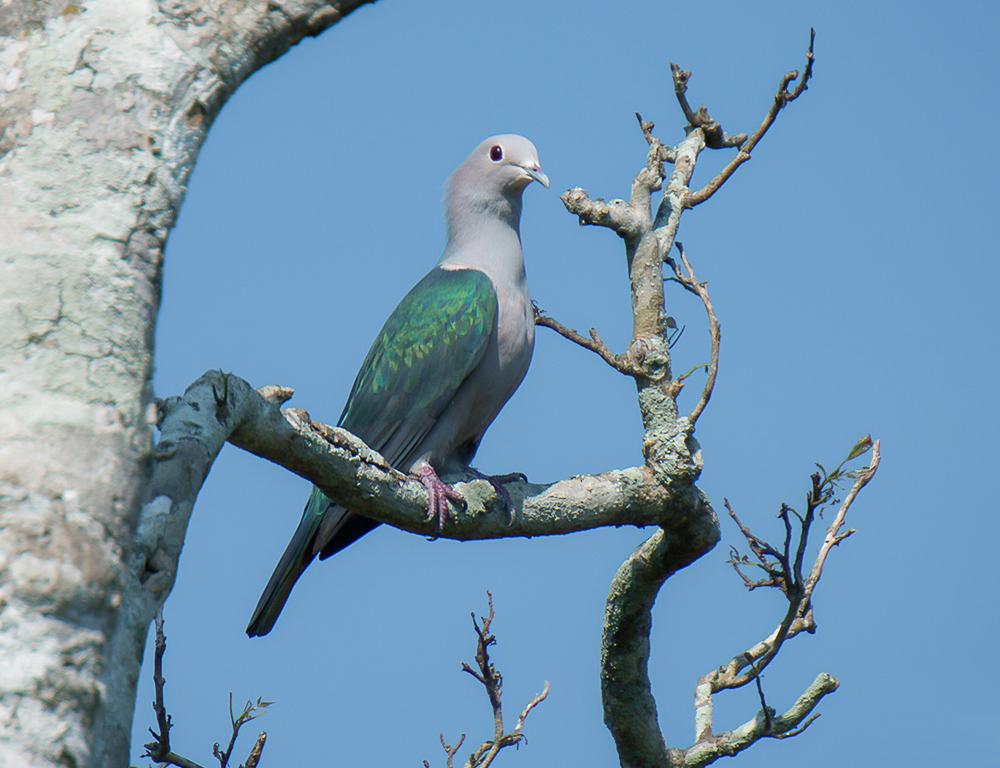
220	407
764	725
630	710
629	706
672	455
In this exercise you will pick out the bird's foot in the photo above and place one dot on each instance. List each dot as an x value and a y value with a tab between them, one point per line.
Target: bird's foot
497	481
440	493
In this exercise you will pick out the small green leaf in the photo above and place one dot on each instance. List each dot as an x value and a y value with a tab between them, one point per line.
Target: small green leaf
860	447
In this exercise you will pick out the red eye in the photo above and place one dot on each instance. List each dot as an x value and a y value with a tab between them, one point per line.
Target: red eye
496	153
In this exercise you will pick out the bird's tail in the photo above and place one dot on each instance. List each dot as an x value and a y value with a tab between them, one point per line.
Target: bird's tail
298	554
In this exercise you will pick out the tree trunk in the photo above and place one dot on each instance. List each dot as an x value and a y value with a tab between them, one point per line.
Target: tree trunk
103	107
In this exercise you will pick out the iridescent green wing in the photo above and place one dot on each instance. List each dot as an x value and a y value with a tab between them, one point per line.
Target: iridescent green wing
430	343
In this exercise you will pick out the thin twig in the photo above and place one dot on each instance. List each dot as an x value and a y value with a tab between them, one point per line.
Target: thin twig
159	750
223	758
491	679
782	569
162	718
776	576
539	698
690	282
763	704
251	711
781	98
788	577
797	731
620	363
862	478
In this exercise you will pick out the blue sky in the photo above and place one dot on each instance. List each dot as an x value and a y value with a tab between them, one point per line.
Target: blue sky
853	267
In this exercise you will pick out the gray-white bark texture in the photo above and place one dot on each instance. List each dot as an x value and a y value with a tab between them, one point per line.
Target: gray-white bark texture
103	107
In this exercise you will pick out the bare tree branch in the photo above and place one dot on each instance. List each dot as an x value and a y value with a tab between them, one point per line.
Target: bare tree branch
663	153
833	537
620	363
785	573
255	752
353	474
159	748
629	707
491	679
538	699
715	137
790	723
616	215
781	98
690	283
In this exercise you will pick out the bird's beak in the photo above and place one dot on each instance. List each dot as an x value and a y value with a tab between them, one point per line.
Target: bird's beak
535	173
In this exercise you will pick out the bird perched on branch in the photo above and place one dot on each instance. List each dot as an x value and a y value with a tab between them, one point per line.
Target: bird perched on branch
445	362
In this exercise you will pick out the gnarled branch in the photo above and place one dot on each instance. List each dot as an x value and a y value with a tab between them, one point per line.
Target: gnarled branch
353	474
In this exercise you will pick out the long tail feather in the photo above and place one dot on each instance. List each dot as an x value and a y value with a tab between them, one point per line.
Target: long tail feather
297	556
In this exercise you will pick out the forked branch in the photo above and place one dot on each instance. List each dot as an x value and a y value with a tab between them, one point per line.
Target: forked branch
159	749
715	137
781	99
491	679
629	707
690	283
632	220
782	569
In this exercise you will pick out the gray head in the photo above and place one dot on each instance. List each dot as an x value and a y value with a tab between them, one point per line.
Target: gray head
493	177
504	164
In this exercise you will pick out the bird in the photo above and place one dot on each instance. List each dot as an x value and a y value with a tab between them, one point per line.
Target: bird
446	361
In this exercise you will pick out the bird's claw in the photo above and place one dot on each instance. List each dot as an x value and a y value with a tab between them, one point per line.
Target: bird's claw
497	481
440	493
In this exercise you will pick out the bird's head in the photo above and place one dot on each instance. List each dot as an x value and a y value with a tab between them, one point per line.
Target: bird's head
500	164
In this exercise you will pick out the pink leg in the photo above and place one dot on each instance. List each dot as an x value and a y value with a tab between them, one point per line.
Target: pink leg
440	493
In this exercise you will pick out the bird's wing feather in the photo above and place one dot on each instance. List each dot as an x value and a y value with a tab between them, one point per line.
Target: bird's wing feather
434	339
431	342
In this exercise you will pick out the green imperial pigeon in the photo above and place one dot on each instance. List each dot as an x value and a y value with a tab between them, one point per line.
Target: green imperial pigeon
445	362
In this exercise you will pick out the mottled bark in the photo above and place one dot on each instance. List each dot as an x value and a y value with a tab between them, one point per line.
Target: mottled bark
103	107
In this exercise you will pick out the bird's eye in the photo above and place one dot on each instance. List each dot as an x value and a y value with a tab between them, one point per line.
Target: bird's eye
496	153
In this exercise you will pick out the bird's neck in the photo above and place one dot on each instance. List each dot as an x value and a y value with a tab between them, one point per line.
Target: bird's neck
470	211
484	234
